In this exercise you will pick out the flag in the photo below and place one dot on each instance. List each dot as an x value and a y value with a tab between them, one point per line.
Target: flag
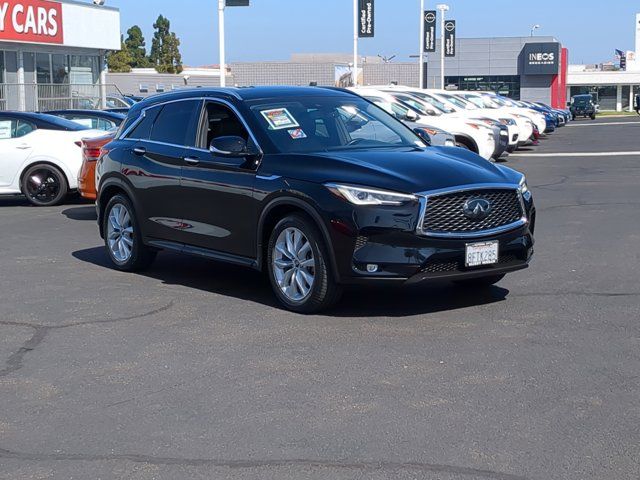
619	54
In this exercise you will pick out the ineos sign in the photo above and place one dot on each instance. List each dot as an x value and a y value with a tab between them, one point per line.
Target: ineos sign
541	58
33	21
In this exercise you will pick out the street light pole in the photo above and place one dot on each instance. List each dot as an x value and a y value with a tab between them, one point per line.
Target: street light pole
355	43
421	51
223	66
442	8
533	29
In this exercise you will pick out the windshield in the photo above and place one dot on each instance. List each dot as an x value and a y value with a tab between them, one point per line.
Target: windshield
582	100
459	102
316	124
417	104
434	102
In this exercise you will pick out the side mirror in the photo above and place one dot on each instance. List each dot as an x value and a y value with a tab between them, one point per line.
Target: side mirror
230	146
412	116
424	136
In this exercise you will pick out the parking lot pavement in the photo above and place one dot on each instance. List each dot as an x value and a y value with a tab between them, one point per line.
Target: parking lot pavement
191	371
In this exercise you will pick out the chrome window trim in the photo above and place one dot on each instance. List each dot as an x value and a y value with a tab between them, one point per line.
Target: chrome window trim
203	101
424	200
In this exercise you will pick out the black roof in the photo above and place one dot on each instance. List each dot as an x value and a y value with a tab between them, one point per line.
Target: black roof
242	93
44	121
109	115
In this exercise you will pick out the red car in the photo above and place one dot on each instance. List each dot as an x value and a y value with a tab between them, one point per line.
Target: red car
91	151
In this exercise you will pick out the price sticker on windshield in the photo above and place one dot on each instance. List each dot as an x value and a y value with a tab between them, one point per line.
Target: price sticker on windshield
279	118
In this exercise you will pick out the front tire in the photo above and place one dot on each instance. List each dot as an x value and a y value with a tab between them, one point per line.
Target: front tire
298	266
122	236
44	185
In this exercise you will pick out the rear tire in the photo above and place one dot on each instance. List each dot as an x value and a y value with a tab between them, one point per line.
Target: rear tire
122	236
299	267
593	116
44	185
481	281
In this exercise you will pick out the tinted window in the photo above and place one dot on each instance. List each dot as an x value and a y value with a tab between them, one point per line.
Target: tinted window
143	130
174	123
15	128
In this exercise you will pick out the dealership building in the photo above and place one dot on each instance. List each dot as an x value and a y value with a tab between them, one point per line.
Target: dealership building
52	53
528	68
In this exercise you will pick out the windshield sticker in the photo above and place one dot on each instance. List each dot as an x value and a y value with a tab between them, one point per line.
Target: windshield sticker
279	118
297	133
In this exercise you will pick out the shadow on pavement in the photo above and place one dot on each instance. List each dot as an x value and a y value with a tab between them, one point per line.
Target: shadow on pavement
85	213
247	284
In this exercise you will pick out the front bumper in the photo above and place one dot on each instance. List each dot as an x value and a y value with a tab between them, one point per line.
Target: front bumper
407	258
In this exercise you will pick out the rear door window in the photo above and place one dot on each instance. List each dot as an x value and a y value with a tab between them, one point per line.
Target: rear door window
142	131
176	123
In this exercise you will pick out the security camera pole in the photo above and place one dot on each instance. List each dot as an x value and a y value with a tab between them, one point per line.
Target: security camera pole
442	8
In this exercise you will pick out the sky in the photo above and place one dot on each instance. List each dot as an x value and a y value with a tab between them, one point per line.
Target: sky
274	29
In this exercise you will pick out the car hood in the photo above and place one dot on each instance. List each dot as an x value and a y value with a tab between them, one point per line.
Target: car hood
409	170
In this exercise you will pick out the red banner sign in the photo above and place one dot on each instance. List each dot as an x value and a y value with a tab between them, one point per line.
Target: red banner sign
33	21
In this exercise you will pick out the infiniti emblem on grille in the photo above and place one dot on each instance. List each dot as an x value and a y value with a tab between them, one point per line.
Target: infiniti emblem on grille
477	209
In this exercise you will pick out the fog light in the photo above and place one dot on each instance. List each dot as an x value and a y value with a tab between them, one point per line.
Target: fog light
372	268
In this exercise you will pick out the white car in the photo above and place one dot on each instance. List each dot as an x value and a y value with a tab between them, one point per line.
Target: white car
469	134
459	107
41	156
492	101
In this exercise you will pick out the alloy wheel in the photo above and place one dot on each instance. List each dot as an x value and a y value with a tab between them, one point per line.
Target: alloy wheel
120	233
294	265
43	185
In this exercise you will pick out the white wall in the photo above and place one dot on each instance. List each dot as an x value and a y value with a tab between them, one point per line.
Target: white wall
88	26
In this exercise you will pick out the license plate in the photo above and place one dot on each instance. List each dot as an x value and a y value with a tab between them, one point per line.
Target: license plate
478	254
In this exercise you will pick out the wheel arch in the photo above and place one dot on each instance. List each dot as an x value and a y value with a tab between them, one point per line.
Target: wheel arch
32	162
467	141
110	187
279	208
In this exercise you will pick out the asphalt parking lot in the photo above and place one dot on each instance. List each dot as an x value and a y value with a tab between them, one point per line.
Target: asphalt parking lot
191	370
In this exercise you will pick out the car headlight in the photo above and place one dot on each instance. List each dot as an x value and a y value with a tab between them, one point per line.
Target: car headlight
524	189
369	196
507	121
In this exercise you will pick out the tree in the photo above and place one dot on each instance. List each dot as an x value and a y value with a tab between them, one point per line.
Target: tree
136	46
165	48
119	61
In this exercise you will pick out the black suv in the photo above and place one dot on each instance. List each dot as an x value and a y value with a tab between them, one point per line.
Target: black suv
583	106
318	187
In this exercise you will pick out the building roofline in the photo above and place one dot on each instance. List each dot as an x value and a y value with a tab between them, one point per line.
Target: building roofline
89	5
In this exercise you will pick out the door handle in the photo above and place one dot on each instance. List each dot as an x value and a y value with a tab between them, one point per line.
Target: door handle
192	160
23	147
139	150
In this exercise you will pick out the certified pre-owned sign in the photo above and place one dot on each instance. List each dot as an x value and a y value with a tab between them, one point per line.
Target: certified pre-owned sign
366	20
33	21
450	38
430	17
541	58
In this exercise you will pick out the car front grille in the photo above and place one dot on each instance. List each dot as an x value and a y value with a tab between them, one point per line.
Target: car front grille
445	213
452	266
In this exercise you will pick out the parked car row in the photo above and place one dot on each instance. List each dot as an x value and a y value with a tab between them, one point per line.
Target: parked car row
318	187
486	123
47	155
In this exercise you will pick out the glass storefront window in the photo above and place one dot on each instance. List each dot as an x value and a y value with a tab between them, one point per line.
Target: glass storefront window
67	69
507	85
60	69
1	67
43	68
